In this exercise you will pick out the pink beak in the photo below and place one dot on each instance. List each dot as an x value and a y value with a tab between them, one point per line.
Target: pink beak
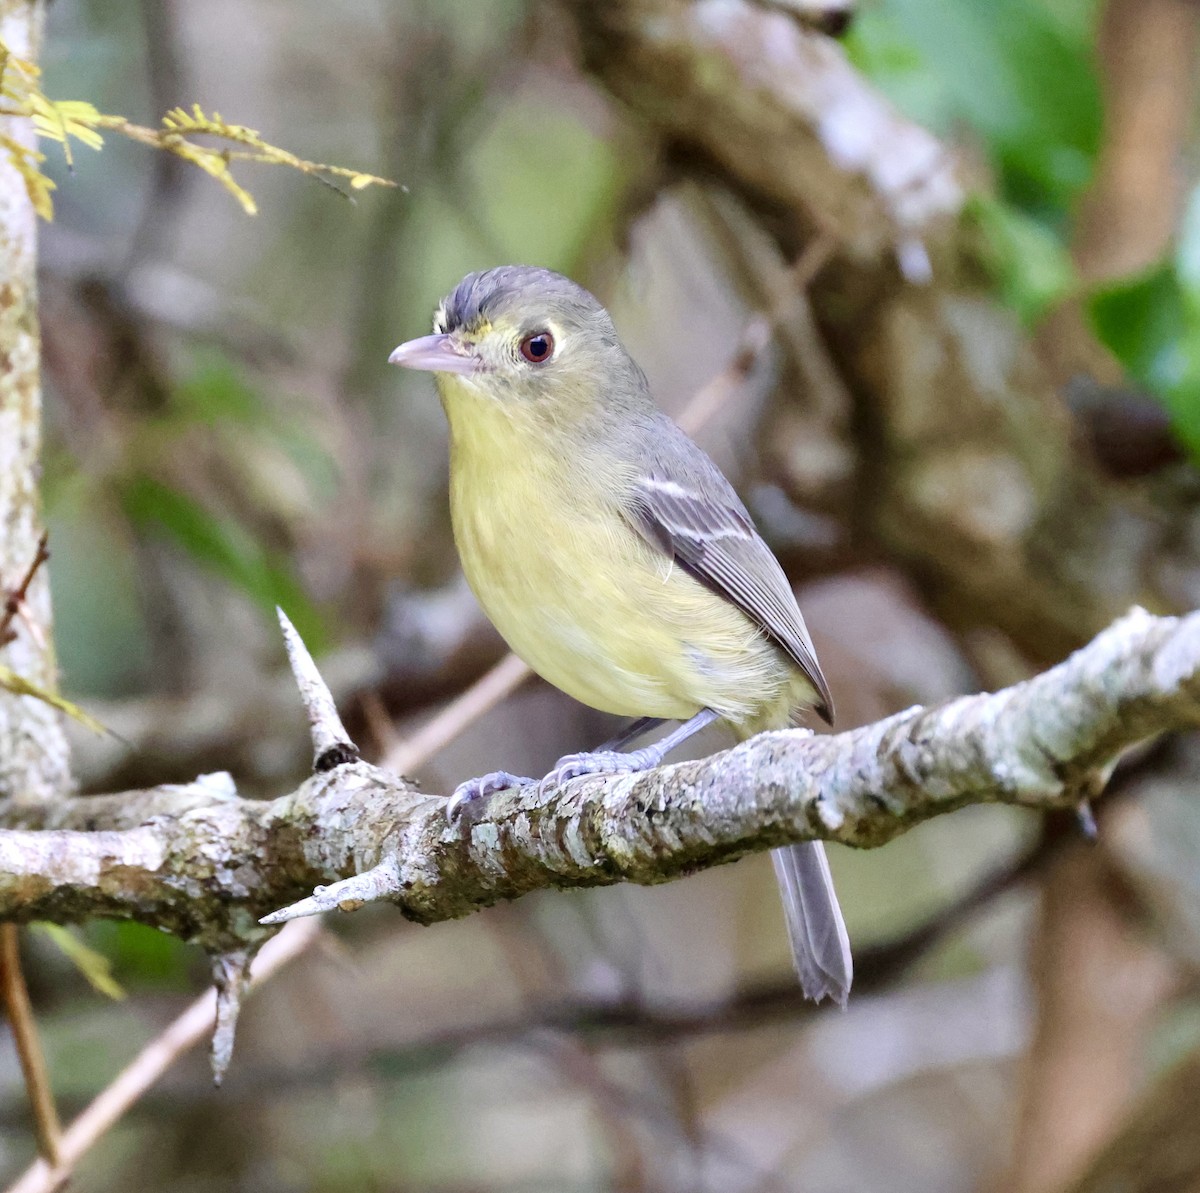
435	354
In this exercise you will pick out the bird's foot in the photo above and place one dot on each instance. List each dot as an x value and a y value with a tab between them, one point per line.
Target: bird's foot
601	762
480	788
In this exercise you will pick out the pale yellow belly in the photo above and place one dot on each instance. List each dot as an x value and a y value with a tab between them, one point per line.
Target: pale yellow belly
599	613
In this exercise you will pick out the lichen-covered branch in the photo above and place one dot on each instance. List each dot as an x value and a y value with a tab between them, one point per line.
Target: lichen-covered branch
207	864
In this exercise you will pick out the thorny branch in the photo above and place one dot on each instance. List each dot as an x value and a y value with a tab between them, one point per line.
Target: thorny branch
203	862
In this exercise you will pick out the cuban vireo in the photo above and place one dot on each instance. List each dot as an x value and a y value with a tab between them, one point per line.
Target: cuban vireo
613	555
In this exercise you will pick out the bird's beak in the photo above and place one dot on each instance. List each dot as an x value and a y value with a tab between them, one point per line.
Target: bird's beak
436	354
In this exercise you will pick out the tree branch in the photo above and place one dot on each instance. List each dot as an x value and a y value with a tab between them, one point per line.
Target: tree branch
207	864
33	747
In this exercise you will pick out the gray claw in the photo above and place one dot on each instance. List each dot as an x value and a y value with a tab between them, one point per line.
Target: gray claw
600	762
481	788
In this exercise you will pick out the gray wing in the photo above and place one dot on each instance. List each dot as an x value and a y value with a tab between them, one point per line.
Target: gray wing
684	506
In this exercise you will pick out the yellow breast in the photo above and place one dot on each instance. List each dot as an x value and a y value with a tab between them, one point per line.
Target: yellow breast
582	598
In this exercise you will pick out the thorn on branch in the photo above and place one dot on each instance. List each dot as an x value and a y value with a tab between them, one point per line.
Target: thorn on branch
1086	819
231	972
332	746
376	885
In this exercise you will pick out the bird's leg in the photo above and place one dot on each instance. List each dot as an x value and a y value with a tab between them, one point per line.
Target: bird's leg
501	780
609	761
631	732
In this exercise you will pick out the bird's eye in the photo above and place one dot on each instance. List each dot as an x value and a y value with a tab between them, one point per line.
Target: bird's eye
538	348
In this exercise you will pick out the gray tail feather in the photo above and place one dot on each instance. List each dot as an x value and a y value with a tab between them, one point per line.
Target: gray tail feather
820	944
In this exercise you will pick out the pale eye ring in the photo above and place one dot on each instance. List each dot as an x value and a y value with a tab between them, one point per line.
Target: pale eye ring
538	347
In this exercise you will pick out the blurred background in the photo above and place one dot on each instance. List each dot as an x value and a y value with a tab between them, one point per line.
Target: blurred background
962	399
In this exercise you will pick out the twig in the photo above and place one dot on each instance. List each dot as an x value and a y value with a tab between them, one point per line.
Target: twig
151	1063
459	715
14	601
29	1046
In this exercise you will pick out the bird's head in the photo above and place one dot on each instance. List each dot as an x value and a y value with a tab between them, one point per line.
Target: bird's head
525	337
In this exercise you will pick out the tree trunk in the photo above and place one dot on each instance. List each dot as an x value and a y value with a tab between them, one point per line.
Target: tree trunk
34	763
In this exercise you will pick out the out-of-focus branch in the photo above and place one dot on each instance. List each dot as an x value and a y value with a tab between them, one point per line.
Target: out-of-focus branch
1158	1148
464	710
1147	53
824	146
29	1046
184	1033
1100	986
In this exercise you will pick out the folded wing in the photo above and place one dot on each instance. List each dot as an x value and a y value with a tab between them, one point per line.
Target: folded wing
685	507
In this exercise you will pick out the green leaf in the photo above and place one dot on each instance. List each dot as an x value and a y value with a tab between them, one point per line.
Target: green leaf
145	956
1143	320
1029	262
225	547
1020	73
216	392
1151	323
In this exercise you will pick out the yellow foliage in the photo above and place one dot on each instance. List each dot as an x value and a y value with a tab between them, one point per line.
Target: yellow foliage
26	162
62	120
19	686
93	965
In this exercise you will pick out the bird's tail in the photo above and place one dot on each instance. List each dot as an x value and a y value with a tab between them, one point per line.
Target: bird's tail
820	944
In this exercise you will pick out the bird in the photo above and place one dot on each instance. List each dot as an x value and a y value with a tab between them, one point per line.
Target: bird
615	558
